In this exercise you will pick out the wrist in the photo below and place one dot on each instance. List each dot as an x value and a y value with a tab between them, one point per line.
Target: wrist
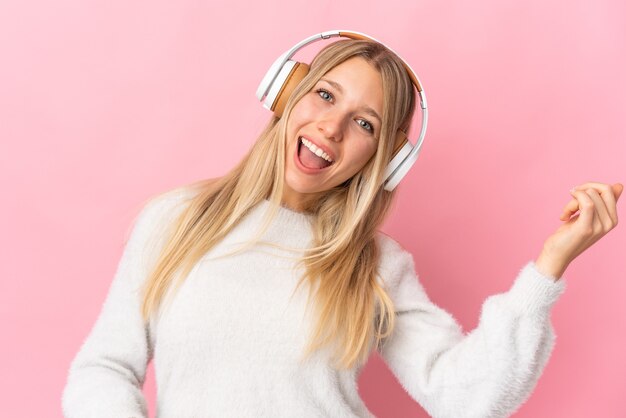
548	266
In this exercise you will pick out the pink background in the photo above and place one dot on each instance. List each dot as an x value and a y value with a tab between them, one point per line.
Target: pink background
104	103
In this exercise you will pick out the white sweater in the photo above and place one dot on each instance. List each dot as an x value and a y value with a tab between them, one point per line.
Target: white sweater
230	343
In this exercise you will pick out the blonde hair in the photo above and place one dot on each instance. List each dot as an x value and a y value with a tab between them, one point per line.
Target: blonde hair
352	308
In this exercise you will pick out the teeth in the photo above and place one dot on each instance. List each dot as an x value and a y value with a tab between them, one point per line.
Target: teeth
315	150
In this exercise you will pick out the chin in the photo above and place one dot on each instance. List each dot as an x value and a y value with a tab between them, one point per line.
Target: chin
299	187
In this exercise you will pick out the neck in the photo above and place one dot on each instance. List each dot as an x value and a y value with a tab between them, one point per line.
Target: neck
298	202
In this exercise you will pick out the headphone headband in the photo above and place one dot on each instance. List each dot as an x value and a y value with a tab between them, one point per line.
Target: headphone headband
284	75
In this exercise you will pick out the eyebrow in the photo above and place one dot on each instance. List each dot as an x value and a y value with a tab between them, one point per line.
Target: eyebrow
366	108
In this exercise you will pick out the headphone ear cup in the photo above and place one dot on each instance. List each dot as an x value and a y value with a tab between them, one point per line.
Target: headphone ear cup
291	80
400	140
402	147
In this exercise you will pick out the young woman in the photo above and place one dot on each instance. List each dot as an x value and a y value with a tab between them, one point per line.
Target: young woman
263	292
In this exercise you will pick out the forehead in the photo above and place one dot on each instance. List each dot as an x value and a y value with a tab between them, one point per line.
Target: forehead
358	80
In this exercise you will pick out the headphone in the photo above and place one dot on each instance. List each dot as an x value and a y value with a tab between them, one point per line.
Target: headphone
285	74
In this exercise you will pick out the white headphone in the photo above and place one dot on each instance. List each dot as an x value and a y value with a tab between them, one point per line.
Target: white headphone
285	74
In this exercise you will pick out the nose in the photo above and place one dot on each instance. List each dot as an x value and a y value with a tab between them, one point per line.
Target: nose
331	126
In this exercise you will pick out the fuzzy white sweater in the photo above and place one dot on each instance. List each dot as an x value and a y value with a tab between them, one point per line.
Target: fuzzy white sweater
230	343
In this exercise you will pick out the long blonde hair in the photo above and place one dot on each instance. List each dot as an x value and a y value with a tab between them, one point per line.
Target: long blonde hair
352	308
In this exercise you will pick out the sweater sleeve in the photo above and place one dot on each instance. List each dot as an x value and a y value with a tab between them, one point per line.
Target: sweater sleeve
488	372
106	376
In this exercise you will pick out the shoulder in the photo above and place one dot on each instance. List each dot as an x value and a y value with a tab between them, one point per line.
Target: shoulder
159	211
395	261
153	223
156	213
158	206
398	274
389	244
391	249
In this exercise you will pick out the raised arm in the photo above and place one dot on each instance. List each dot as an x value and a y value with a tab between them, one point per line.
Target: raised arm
106	377
488	372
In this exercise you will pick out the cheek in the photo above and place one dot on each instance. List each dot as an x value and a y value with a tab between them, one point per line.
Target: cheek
297	116
362	154
306	108
369	150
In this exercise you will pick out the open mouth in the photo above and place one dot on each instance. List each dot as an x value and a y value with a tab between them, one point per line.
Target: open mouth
310	159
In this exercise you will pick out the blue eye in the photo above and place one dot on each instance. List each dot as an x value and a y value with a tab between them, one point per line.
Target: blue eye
368	126
318	91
